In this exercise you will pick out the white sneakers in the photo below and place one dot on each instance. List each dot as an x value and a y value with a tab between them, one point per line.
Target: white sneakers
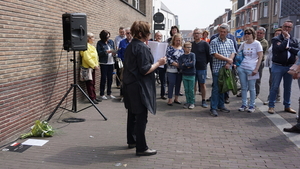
108	97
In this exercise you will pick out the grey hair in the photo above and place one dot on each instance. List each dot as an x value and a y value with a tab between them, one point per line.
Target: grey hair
158	33
262	29
198	29
89	34
127	29
224	26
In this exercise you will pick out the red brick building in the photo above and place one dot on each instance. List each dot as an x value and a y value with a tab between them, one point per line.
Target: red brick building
35	71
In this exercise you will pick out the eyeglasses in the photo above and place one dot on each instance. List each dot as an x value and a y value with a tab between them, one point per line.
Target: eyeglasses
248	33
287	27
128	33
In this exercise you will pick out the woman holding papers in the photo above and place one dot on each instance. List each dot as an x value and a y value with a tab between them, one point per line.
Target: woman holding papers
139	87
174	51
248	70
161	70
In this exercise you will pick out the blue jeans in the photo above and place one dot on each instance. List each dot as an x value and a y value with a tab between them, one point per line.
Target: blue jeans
174	80
278	73
189	83
247	85
217	98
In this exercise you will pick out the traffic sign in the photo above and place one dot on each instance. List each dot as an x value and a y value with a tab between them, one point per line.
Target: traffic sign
158	17
159	26
239	33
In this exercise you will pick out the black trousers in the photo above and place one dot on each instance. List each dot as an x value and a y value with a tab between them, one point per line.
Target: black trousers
136	127
162	79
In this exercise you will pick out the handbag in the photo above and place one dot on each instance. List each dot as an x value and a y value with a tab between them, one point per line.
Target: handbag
240	56
85	74
119	63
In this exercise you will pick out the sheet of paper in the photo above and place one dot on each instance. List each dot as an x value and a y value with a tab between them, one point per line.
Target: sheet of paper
158	50
256	76
35	142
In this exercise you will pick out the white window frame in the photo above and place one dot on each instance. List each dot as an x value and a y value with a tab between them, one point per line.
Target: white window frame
275	7
265	9
254	14
136	4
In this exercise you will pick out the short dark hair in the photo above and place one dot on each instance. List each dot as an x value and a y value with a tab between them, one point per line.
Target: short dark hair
103	35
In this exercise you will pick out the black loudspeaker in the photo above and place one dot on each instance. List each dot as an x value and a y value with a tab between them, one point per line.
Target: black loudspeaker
75	31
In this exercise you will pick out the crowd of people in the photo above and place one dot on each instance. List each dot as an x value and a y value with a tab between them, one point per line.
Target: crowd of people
186	62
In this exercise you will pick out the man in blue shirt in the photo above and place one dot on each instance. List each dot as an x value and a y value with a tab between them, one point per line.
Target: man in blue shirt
121	51
124	43
223	51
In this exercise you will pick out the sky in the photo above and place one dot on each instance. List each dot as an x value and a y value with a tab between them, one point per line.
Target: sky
197	13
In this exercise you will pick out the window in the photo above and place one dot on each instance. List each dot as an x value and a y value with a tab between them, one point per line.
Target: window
242	19
248	17
254	14
265	9
275	7
136	4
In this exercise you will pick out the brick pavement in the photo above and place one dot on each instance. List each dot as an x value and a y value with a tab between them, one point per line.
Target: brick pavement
185	139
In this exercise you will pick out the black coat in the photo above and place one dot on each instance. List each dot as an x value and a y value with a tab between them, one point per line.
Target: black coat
139	89
280	52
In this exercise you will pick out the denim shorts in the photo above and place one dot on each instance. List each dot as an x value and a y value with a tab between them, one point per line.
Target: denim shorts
200	76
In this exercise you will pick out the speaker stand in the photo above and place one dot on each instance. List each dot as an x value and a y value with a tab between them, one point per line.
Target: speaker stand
74	86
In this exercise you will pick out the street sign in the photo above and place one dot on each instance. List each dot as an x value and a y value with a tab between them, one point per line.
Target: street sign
158	17
159	26
239	33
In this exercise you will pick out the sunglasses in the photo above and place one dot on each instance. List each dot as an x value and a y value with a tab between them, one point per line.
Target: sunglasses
248	33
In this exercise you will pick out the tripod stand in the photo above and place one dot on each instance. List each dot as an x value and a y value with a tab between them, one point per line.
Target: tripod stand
74	86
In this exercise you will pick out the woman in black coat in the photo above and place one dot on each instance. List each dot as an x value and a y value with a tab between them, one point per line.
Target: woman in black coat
139	86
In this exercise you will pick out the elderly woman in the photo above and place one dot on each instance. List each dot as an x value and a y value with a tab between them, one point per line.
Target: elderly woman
139	87
253	53
106	50
90	60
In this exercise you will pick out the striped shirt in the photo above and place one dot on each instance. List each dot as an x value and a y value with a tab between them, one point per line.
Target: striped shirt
224	48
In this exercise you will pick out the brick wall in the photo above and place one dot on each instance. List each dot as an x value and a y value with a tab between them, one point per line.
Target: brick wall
35	72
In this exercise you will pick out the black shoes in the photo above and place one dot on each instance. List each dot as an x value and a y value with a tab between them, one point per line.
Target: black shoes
148	152
224	109
163	97
177	102
294	129
95	101
131	146
98	100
